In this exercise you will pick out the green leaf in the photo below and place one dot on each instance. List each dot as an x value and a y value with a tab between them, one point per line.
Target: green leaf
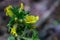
35	35
11	38
15	11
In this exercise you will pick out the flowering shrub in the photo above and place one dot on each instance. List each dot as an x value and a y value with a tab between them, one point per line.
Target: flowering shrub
21	23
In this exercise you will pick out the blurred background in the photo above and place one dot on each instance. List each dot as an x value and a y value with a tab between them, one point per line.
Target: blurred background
48	25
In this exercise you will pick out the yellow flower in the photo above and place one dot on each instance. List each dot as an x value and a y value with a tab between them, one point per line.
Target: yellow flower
8	11
31	19
13	31
21	6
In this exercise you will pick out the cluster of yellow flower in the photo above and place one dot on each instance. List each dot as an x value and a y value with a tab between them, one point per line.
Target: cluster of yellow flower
28	18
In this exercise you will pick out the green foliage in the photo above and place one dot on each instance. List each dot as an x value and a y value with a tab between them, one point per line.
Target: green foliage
22	30
35	35
11	38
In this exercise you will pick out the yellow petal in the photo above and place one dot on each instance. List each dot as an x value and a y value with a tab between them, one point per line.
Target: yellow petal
22	6
13	30
31	19
8	11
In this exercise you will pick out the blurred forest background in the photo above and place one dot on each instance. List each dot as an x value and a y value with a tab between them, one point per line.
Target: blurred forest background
48	11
